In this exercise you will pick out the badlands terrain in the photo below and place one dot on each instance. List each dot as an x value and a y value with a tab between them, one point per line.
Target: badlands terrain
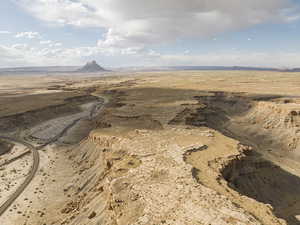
150	148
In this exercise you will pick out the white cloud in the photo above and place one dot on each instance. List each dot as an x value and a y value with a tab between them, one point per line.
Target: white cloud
45	42
29	35
5	32
186	52
50	43
133	27
57	44
24	54
153	53
20	46
136	24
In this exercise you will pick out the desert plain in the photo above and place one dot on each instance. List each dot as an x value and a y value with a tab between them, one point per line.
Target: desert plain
149	148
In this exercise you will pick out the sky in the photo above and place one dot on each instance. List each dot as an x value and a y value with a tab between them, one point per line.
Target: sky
120	33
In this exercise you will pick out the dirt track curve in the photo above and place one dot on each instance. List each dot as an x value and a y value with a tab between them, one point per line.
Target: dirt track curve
36	157
34	168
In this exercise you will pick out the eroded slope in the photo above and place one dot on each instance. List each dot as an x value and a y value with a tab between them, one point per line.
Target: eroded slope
148	166
164	151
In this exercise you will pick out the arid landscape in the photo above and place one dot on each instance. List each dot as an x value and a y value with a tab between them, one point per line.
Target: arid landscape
149	148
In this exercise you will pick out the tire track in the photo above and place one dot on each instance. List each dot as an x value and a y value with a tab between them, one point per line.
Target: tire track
34	168
36	156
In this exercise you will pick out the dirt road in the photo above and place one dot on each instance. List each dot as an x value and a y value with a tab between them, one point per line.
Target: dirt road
21	188
36	157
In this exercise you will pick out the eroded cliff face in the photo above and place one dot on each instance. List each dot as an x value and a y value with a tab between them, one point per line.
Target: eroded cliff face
271	126
271	122
5	147
143	179
280	120
141	167
266	182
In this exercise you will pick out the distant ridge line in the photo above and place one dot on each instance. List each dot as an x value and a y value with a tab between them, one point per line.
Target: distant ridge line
94	67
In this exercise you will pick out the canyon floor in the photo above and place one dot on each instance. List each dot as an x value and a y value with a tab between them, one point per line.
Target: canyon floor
149	148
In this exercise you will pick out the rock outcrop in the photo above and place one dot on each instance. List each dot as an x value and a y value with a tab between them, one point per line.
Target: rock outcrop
279	119
91	67
143	179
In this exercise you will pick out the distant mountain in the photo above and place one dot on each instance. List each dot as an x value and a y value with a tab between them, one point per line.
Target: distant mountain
91	67
203	68
226	68
292	70
197	68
